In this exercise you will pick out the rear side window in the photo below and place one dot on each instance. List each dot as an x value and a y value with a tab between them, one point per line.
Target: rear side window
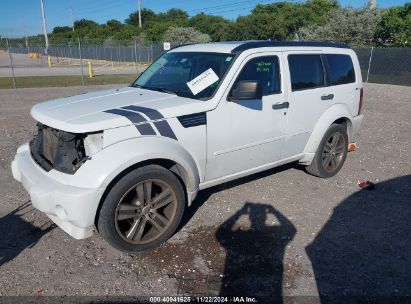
265	70
341	69
306	71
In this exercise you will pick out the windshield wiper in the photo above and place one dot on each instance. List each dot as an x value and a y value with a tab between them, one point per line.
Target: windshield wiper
137	86
160	89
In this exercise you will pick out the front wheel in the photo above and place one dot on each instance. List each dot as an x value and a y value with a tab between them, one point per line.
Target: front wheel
331	152
142	210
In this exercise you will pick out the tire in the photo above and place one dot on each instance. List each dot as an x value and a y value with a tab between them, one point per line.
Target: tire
330	156
142	210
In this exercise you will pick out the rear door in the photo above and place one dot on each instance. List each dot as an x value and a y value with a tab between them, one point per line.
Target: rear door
342	78
309	97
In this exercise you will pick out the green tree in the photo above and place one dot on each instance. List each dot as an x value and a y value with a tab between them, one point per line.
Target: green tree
156	30
85	24
317	10
61	29
311	19
394	28
355	27
174	16
182	35
217	27
282	20
114	25
126	33
147	16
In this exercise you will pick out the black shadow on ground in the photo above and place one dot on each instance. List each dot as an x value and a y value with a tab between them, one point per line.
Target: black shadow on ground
16	234
363	253
204	195
254	254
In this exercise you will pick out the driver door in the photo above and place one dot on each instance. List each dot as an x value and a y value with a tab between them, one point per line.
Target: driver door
246	134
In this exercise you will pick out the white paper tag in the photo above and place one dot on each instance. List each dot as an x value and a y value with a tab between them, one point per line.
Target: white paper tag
202	81
167	46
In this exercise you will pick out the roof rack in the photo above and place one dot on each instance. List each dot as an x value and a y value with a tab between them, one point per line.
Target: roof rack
266	43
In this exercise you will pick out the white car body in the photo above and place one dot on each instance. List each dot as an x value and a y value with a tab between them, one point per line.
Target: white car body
210	142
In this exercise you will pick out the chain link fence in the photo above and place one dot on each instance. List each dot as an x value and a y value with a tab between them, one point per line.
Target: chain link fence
385	65
130	52
82	61
88	58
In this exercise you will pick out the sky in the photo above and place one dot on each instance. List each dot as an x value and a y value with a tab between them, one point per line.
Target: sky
22	17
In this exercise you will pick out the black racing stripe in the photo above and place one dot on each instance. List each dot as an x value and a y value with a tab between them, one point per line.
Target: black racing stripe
132	116
146	129
151	113
135	118
164	128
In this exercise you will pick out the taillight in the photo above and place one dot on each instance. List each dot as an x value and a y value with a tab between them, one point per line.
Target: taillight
360	106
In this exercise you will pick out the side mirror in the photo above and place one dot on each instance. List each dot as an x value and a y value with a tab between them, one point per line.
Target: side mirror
247	90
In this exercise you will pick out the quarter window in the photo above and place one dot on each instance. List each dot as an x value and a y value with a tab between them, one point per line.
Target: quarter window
306	71
265	70
341	69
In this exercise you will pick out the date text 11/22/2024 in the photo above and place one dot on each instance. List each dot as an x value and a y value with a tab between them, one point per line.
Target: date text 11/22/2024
202	299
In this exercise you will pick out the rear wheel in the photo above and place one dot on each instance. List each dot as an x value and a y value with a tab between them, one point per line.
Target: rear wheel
142	210
331	152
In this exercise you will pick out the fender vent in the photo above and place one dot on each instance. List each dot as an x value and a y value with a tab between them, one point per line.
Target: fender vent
193	120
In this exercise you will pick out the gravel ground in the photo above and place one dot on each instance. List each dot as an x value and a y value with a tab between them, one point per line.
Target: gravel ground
272	235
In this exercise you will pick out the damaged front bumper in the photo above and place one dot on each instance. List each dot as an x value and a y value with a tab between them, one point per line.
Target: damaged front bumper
72	208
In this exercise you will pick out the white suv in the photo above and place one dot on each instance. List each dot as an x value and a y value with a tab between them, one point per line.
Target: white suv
130	160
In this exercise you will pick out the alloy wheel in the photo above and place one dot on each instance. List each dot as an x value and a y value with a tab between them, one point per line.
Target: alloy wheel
333	152
145	211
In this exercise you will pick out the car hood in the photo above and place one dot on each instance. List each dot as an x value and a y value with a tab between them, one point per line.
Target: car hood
98	111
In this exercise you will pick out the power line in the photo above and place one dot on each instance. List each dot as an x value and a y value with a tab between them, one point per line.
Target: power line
220	8
232	10
104	5
97	3
99	6
107	6
226	5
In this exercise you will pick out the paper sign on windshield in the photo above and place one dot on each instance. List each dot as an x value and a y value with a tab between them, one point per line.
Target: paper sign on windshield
202	81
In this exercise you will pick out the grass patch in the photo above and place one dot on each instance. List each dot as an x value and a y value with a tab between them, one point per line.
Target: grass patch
63	81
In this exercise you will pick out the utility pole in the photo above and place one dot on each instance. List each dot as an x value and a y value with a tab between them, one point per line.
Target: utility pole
44	26
26	39
11	62
139	13
72	18
372	4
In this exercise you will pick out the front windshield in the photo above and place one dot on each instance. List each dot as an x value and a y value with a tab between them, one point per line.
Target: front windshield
172	72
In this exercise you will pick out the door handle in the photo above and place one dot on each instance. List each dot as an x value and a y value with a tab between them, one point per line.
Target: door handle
327	97
279	106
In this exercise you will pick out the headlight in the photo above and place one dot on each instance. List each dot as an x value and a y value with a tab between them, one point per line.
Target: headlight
93	143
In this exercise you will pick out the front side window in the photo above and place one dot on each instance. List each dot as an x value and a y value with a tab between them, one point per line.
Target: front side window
341	69
264	70
306	72
172	71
